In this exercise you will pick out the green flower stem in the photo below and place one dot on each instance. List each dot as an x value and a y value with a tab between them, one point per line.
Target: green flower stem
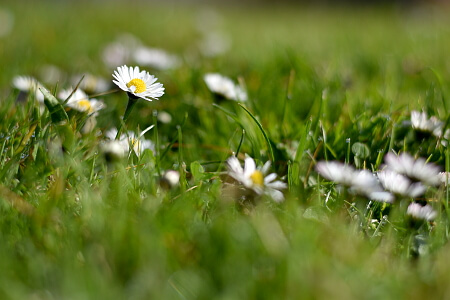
130	105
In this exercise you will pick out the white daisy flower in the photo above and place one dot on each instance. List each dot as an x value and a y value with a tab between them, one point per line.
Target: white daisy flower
113	150
164	117
400	185
91	83
80	101
418	211
29	85
155	58
415	169
253	178
336	171
139	84
421	122
224	87
120	51
214	44
170	179
361	182
444	177
131	140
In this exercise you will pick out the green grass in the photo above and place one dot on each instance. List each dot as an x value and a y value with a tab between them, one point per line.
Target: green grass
75	226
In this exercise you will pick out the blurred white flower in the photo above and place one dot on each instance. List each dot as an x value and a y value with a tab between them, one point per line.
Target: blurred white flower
224	87
361	182
51	74
419	211
415	169
400	185
29	85
140	84
120	51
214	44
254	178
336	171
80	101
421	122
170	179
131	140
444	178
164	117
91	83
155	58
113	150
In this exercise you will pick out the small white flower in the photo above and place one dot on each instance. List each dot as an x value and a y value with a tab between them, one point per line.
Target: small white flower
164	117
415	169
29	85
113	150
120	51
140	84
400	185
336	171
418	211
91	83
361	182
224	87
444	178
253	178
170	179
155	58
421	122
80	101
214	44
131	140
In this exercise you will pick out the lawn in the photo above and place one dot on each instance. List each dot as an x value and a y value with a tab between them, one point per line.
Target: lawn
348	104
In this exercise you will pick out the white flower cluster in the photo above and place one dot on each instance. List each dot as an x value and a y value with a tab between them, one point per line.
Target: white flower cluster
402	176
129	49
361	182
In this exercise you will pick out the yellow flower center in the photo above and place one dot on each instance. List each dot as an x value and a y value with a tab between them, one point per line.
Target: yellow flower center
85	105
257	177
138	84
134	141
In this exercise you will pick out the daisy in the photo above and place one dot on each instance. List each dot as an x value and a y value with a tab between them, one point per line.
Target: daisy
214	44
131	140
80	101
170	179
444	178
138	84
155	58
418	211
254	178
120	51
421	122
224	87
91	83
415	169
400	185
113	150
336	171
29	85
362	182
